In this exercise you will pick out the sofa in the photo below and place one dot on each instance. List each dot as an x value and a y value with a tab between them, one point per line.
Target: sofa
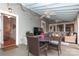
72	37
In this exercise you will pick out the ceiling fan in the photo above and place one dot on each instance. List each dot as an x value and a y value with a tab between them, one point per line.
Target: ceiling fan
47	14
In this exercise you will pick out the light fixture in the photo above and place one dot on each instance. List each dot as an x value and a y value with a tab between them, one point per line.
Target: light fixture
10	10
48	16
48	13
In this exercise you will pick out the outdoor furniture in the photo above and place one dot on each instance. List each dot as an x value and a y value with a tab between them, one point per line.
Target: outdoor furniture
35	47
72	38
55	42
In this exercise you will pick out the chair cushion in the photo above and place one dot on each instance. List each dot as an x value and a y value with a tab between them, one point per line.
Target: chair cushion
54	42
70	38
42	36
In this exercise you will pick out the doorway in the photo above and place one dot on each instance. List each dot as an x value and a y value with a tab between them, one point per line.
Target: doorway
9	31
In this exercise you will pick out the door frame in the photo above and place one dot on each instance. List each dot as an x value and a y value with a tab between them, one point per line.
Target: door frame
15	15
42	21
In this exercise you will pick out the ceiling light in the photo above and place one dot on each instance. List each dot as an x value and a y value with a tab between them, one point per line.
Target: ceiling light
48	14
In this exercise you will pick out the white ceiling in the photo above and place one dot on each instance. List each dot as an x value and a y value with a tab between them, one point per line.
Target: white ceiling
63	11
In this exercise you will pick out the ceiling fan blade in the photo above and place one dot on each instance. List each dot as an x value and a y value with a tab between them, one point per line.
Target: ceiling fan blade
42	16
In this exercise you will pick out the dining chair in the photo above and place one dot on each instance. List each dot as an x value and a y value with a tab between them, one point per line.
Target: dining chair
35	47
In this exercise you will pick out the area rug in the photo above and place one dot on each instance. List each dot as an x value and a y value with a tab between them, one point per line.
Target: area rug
75	46
64	44
71	45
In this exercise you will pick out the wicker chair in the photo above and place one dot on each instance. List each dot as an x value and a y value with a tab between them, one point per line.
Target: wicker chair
35	47
55	41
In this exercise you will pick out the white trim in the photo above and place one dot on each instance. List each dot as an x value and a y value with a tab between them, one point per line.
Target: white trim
64	27
63	23
42	26
17	26
78	28
17	18
5	12
1	30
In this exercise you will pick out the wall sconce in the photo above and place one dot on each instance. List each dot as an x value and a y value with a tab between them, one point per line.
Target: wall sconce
10	10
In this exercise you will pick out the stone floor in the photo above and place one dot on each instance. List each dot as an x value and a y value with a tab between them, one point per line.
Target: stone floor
21	50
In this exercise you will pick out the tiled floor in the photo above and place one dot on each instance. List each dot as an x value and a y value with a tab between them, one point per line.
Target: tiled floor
22	51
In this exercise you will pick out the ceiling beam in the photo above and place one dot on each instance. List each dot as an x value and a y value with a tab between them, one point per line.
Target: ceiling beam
29	4
58	7
71	11
44	5
63	13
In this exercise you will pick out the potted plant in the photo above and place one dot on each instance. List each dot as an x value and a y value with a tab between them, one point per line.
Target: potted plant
29	34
